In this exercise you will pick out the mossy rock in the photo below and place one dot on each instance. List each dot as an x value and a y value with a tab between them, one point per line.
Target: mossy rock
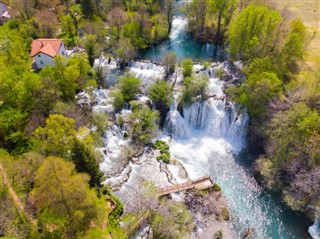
218	235
225	214
164	158
216	188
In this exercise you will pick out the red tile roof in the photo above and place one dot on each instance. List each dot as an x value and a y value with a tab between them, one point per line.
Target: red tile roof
49	47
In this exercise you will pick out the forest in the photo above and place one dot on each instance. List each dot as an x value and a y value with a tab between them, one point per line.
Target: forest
48	142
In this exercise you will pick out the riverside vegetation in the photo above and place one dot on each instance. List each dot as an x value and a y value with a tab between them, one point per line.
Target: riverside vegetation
48	141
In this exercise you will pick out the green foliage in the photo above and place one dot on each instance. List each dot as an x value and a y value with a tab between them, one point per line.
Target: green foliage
161	95
209	19
84	158
219	72
125	50
217	187
187	65
293	49
100	120
87	7
253	33
90	46
117	212
256	92
143	123
196	88
57	137
159	31
129	87
131	31
118	100
63	198
12	124
70	75
164	150
171	221
170	60
294	129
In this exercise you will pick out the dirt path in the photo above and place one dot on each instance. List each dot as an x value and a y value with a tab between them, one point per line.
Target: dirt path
19	205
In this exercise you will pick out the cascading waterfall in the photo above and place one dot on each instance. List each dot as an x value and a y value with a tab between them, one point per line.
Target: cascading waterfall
205	137
314	230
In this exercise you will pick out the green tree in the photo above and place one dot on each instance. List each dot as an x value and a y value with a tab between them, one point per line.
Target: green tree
195	88
57	137
90	46
129	87
143	123
63	198
293	49
12	136
292	130
223	9
253	33
118	100
70	75
125	51
85	160
161	95
87	7
187	65
257	92
171	220
170	60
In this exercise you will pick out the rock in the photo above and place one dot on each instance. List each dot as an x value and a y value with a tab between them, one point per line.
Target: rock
248	233
227	78
218	235
225	214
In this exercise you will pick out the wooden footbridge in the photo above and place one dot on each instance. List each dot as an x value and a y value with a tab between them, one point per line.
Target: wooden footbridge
199	184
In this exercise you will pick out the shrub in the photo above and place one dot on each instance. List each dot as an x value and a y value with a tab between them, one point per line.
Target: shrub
187	65
118	100
164	150
129	87
219	72
196	86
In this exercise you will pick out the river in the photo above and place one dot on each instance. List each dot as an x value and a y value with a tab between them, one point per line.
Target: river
208	138
218	148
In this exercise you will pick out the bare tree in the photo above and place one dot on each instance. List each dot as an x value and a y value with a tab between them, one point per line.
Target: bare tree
117	18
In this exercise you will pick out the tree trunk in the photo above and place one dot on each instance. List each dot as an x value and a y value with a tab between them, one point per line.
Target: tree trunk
218	37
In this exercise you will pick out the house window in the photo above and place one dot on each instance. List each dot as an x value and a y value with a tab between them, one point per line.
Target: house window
39	55
41	62
63	53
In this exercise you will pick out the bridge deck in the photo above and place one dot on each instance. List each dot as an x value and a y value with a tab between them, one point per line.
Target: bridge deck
200	184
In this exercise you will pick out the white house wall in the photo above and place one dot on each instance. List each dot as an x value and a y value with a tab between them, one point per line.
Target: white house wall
42	60
3	8
62	50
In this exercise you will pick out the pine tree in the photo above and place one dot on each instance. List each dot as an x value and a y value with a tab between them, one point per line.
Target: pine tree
85	161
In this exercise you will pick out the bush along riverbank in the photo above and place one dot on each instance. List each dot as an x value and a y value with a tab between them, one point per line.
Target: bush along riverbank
283	107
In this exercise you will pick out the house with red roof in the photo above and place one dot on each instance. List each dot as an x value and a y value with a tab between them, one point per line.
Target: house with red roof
44	51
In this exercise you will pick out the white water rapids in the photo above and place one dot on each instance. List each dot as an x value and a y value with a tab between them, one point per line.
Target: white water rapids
204	139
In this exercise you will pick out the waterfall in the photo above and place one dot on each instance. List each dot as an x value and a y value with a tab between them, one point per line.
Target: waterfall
215	117
314	230
110	69
148	72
